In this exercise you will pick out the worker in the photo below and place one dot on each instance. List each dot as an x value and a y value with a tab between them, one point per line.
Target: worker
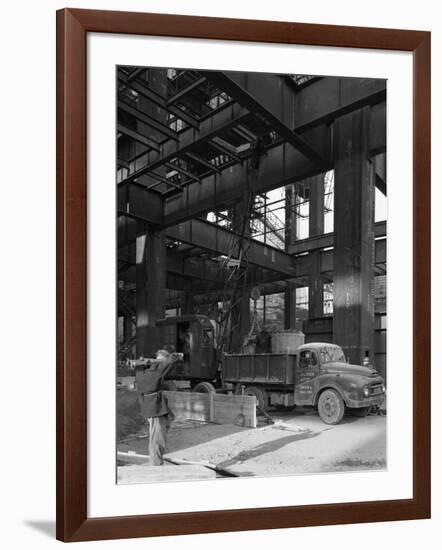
153	402
263	342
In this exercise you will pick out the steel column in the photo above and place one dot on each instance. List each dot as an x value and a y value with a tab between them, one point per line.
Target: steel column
150	289
354	244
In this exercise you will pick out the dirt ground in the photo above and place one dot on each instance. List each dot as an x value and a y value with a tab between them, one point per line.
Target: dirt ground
298	443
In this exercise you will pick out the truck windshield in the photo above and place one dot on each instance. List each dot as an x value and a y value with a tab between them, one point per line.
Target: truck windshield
331	354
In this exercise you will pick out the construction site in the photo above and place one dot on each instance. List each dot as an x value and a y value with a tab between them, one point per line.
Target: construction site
251	251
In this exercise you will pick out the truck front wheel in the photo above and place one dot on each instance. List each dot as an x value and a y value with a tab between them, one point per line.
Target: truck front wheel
331	407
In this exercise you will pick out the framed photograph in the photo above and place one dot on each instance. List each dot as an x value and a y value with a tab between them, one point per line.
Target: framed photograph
243	274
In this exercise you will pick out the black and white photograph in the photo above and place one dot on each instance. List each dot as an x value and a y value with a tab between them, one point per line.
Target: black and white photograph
252	274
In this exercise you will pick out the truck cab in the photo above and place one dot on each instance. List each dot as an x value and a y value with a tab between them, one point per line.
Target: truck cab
324	379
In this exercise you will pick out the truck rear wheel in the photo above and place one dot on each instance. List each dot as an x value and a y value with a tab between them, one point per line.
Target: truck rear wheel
359	412
331	407
203	387
260	394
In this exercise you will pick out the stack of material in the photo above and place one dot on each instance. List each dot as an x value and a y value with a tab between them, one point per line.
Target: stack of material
214	407
287	341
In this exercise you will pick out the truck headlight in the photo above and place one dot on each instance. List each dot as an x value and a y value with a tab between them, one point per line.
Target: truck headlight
366	391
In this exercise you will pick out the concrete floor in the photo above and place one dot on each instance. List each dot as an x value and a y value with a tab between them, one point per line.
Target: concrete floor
298	443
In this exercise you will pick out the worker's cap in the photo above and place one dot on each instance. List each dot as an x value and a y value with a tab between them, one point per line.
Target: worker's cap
163	353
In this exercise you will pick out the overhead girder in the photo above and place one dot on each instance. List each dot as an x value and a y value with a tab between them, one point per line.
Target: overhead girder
326	99
274	286
137	201
212	277
340	95
205	298
208	280
281	165
377	132
140	138
209	236
208	272
188	139
216	191
188	269
267	96
327	240
148	93
380	164
186	90
147	119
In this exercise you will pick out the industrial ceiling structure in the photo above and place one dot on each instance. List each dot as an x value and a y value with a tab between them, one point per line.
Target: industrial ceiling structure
199	150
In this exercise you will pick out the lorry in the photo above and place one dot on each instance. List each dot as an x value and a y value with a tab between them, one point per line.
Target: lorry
315	375
310	375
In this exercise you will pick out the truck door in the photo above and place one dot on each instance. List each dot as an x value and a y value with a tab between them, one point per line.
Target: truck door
307	370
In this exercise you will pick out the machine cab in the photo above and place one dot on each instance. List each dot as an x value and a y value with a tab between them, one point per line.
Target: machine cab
193	336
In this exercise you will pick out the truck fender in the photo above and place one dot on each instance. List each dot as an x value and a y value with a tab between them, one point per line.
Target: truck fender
328	386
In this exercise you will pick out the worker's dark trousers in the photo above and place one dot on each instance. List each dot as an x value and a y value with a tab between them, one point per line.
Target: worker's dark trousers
158	428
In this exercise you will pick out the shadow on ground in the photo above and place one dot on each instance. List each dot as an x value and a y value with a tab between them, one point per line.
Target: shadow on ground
45	527
267	447
182	435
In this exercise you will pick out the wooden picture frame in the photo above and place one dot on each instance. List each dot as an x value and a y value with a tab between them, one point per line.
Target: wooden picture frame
73	523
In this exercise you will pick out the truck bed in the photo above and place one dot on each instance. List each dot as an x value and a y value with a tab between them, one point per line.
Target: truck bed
261	368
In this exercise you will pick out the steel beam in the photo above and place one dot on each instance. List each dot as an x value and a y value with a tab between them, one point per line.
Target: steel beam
212	277
271	285
326	99
157	98
209	236
380	164
224	148
133	134
283	164
206	273
186	90
188	139
269	97
147	119
311	110
327	240
377	131
122	163
381	185
203	162
182	171
136	201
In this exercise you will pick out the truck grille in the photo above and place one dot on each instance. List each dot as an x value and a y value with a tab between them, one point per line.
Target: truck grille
376	389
